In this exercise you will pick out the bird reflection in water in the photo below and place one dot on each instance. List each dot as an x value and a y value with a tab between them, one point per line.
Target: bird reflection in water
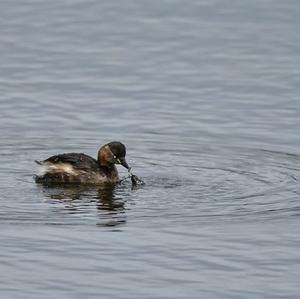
110	206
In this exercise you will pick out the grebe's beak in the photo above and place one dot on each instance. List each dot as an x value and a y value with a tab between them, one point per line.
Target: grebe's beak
123	162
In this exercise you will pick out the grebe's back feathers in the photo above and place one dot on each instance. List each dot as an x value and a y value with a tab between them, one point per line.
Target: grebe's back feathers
76	160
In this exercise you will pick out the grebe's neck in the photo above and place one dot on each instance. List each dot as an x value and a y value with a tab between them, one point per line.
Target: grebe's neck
110	172
106	166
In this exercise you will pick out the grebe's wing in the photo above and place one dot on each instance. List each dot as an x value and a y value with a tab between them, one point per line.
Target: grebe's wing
76	160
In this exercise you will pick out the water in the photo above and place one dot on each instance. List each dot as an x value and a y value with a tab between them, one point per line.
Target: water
205	94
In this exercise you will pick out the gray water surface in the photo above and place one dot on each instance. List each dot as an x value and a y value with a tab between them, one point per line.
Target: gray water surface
205	95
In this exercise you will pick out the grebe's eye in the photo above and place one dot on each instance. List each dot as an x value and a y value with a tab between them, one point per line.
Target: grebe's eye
117	161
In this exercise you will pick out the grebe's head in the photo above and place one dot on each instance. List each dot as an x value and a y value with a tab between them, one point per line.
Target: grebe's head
112	153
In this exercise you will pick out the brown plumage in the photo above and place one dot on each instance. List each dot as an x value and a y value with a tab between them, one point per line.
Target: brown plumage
78	168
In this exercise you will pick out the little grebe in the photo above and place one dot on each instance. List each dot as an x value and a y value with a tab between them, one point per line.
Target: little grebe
82	169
